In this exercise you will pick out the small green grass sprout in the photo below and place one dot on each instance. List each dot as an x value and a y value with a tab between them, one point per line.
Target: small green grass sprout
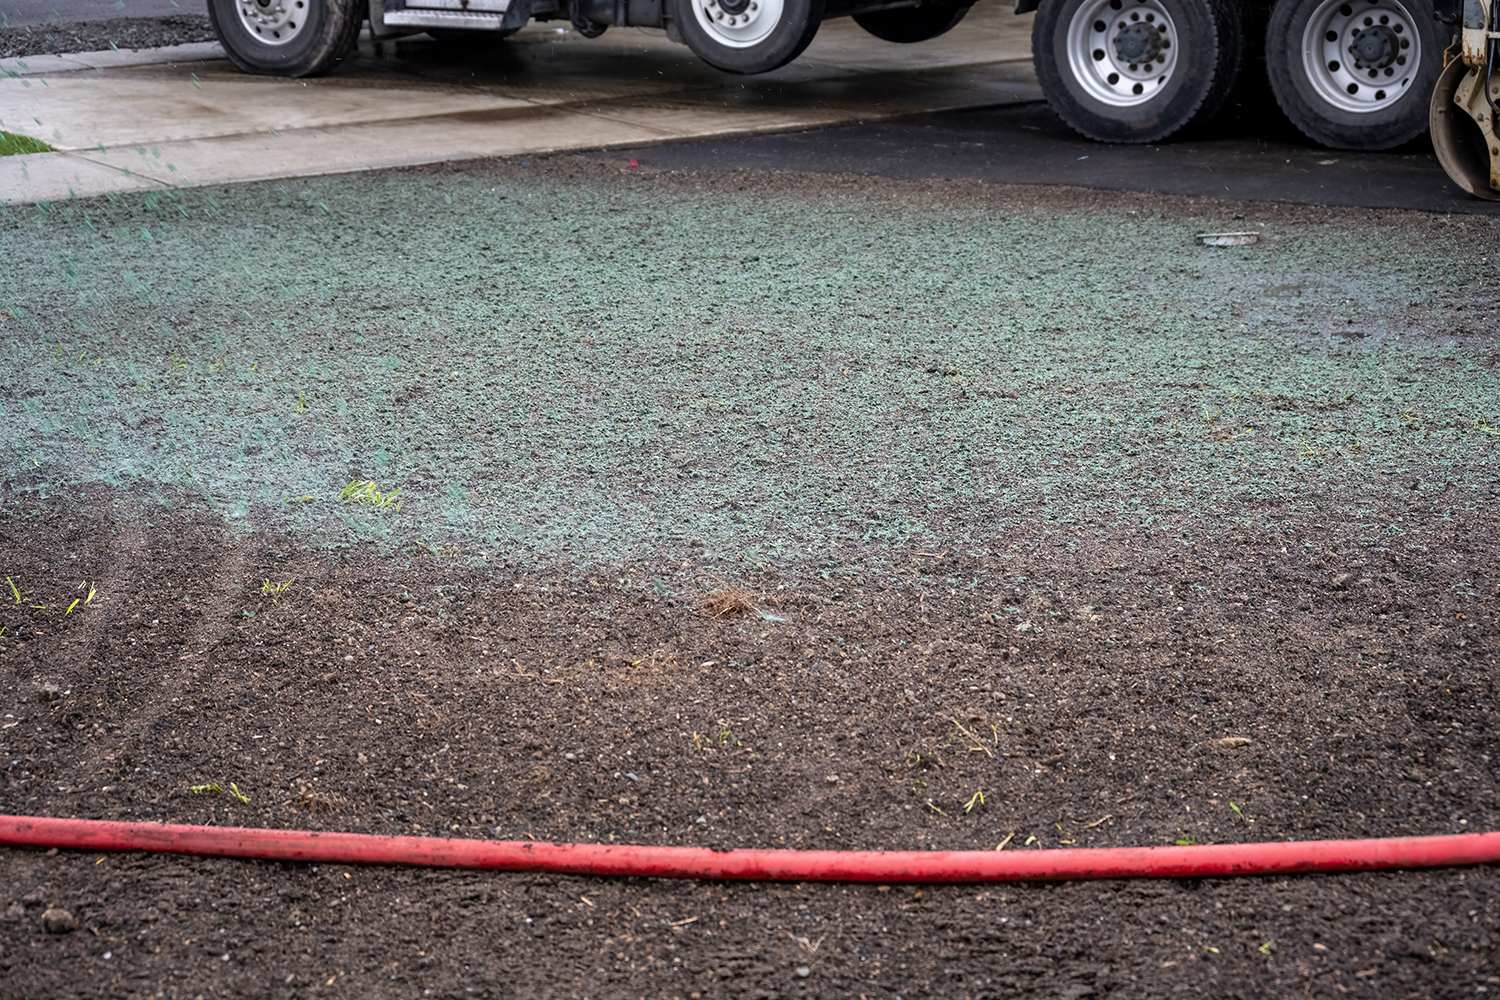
977	799
367	493
1188	841
14	589
72	606
241	796
210	788
93	592
707	741
274	589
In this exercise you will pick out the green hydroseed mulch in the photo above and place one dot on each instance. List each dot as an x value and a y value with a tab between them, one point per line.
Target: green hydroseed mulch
607	367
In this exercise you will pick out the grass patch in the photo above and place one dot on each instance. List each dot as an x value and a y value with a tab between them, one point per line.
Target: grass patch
369	494
13	145
275	590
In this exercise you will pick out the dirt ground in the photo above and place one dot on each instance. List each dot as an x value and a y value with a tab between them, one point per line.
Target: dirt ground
1040	553
1141	692
96	36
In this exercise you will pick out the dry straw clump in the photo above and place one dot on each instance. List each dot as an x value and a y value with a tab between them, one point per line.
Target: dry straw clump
728	601
321	803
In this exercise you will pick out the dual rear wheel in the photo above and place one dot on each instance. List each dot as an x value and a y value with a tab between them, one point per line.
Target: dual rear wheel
1351	74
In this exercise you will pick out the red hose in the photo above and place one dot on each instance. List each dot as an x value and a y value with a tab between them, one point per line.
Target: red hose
787	866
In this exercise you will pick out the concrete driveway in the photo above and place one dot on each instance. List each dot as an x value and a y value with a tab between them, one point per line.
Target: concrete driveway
185	117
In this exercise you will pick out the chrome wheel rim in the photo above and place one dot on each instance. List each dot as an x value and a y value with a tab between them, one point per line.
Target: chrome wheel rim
273	22
738	24
1122	52
1361	55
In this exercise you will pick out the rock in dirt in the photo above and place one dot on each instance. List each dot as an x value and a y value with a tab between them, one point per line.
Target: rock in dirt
48	692
56	920
1231	742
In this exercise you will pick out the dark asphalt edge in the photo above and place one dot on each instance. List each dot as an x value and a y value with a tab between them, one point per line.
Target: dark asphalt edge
694	155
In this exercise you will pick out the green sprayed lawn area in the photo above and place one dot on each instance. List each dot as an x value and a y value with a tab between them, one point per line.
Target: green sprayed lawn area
12	144
599	368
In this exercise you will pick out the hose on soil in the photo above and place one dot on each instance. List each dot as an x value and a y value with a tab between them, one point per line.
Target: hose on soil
1206	861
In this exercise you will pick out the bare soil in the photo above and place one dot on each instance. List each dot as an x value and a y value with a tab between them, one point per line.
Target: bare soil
96	36
1139	690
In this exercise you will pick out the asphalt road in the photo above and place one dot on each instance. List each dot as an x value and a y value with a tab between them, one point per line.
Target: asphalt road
1262	159
21	13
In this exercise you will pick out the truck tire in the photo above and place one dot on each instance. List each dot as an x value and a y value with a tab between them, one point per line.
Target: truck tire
286	37
748	36
1137	70
912	24
1354	74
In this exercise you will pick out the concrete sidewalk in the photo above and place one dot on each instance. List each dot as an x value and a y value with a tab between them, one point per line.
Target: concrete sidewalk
129	122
